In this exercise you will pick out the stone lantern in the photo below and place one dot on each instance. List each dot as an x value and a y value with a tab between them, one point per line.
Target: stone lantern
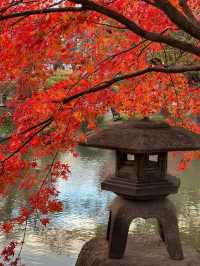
141	180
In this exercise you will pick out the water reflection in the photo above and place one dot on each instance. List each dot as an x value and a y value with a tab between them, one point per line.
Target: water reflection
86	210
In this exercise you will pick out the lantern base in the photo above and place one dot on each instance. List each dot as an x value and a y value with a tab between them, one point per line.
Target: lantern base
137	190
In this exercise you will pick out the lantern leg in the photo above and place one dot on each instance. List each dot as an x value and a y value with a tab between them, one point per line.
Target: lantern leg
170	234
160	230
109	224
118	235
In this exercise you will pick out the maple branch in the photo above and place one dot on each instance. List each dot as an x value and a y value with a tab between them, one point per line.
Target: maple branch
104	85
142	50
108	83
18	21
177	18
188	12
26	142
57	3
136	45
50	119
4	9
99	87
111	57
108	25
149	2
54	157
41	12
23	240
131	25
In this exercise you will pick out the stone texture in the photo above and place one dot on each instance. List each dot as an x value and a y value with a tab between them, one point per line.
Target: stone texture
140	251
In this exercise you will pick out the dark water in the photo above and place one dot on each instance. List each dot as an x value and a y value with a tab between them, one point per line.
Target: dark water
86	211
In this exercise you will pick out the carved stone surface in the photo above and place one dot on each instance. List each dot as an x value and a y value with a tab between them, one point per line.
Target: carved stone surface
140	251
124	211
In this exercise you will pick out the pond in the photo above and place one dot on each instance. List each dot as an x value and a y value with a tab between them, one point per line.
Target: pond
86	207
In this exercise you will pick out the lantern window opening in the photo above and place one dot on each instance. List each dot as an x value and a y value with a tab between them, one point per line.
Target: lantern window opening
154	158
130	157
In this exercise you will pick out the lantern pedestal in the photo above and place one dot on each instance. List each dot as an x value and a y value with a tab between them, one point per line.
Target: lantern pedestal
123	212
141	250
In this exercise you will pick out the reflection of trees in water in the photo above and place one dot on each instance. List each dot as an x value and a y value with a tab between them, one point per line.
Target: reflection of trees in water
189	216
64	241
106	158
89	207
82	195
189	224
188	202
69	242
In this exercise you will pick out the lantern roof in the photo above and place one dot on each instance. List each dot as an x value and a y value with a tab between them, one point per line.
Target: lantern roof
144	136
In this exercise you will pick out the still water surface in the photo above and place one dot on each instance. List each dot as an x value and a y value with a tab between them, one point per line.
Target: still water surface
85	211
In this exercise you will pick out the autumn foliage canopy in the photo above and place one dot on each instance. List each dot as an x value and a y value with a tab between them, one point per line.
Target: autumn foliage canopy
141	57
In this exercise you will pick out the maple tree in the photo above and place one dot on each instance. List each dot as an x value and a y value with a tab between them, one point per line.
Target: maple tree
133	55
